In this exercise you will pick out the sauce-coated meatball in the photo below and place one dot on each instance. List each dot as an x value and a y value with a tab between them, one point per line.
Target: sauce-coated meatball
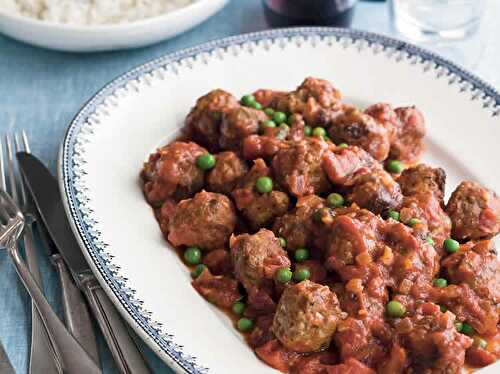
306	317
172	172
206	221
257	257
298	167
423	179
203	122
408	144
474	211
237	124
228	170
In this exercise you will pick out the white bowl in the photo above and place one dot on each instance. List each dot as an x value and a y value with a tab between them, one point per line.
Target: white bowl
80	38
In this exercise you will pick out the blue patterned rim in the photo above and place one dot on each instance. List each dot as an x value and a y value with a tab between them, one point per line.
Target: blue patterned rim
67	169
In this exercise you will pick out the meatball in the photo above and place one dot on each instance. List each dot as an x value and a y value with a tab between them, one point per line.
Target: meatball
206	221
228	170
376	191
474	211
408	144
478	266
259	146
385	115
345	165
219	290
315	99
256	258
172	172
306	317
357	128
298	167
297	226
259	209
433	343
423	179
203	122
268	98
238	124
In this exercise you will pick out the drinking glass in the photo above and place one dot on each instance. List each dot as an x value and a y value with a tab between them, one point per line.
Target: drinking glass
430	20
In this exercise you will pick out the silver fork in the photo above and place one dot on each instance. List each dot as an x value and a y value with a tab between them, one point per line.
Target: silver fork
43	359
71	356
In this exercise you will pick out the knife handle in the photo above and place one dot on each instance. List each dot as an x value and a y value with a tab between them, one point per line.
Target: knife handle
125	353
76	314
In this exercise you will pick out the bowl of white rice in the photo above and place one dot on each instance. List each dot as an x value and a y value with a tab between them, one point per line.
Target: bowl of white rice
100	25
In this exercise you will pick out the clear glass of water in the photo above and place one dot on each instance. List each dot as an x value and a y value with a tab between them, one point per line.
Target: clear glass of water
437	20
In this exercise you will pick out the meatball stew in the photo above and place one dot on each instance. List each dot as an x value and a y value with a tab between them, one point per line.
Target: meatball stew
312	223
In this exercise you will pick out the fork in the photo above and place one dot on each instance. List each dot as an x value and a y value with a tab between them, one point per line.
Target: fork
71	356
42	355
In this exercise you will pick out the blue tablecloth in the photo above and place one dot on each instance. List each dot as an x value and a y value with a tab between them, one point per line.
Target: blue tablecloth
41	90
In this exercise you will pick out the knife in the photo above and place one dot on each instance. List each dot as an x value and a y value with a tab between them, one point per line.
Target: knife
45	191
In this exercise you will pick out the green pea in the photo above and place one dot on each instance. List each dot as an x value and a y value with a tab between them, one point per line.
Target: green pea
282	242
430	241
343	145
335	200
395	309
413	222
301	274
443	309
284	275
256	105
206	161
238	308
301	254
267	124
459	326
440	283
467	329
395	166
192	255
198	270
319	132
393	214
279	117
269	111
308	130
284	127
451	246
244	324
480	342
264	184
247	100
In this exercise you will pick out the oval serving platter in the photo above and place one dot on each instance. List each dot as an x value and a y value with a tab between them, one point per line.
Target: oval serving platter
113	134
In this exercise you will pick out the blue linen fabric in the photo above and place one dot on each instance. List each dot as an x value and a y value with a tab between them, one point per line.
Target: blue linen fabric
41	90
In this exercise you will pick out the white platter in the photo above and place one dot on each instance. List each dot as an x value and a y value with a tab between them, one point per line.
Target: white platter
75	38
113	134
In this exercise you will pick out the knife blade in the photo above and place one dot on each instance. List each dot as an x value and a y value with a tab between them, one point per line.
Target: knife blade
44	188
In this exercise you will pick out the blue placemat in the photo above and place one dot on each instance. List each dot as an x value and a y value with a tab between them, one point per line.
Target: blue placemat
41	90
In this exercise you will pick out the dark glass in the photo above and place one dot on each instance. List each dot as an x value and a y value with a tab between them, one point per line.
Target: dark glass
310	12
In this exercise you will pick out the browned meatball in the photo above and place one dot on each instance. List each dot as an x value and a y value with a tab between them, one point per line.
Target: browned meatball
386	116
345	165
357	128
259	209
423	179
202	123
297	226
171	172
257	257
206	221
478	266
260	146
376	191
474	211
408	144
237	124
432	341
228	170
306	317
220	290
298	167
315	99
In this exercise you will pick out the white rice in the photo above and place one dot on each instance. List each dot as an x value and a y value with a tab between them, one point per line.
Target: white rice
91	12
